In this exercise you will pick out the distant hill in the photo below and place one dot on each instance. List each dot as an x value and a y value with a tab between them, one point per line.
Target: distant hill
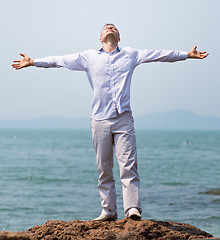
48	123
176	119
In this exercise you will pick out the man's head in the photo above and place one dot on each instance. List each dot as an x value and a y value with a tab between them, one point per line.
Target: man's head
109	31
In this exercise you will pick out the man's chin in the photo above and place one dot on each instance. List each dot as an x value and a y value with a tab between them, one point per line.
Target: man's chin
111	36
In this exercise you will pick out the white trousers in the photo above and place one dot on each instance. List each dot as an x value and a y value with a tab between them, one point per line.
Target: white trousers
116	133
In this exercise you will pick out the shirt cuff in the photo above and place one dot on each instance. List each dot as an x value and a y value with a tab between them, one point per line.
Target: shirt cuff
184	55
36	62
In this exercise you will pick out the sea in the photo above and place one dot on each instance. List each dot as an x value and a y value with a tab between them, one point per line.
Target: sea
52	175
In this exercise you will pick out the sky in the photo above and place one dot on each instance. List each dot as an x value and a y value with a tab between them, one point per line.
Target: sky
49	28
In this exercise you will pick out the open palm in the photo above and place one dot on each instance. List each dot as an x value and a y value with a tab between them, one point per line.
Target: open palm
25	62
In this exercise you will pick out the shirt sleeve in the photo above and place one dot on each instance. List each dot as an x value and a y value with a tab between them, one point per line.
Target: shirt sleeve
72	61
146	56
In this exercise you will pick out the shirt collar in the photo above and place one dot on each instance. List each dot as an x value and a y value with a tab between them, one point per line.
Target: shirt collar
117	48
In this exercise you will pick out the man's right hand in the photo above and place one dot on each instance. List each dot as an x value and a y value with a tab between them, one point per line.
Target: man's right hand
25	62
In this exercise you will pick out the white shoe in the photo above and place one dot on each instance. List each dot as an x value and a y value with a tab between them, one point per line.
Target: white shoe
106	217
134	214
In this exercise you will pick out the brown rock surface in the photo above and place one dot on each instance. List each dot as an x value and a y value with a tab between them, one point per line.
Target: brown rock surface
124	229
14	236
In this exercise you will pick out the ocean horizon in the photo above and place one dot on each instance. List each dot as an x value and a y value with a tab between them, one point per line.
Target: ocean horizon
177	119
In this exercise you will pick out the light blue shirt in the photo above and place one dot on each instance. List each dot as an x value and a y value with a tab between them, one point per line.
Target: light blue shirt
110	74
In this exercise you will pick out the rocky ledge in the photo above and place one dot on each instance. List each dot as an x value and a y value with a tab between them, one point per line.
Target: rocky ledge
124	229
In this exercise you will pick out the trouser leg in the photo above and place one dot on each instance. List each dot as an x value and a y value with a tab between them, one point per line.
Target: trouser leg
126	154
103	145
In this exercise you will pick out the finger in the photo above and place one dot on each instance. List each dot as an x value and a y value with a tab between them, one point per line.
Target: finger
16	66
16	60
195	47
204	56
22	54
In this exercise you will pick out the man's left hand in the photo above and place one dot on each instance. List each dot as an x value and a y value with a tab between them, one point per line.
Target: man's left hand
193	53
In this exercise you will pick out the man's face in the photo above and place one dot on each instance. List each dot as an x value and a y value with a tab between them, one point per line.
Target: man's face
109	30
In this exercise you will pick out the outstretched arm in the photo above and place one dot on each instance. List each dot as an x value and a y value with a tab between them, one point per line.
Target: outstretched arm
193	53
25	62
71	61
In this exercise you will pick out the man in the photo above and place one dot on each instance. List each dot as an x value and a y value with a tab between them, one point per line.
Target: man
109	71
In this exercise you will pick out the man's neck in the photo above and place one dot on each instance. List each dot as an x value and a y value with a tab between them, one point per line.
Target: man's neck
109	46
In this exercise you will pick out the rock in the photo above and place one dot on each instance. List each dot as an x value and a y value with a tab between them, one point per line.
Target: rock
14	236
124	229
215	191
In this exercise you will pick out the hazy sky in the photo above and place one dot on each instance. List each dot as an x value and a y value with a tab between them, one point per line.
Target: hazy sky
44	28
